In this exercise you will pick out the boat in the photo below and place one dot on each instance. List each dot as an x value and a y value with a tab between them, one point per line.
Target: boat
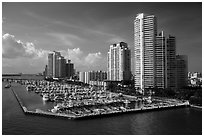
7	86
127	101
45	97
54	110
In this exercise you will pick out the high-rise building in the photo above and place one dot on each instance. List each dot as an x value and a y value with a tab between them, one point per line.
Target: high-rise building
119	62
160	61
56	56
56	65
50	65
181	71
156	64
171	62
87	77
45	72
82	76
62	66
69	69
145	32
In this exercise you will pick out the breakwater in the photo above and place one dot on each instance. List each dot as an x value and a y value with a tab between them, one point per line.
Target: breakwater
194	106
70	116
143	109
19	101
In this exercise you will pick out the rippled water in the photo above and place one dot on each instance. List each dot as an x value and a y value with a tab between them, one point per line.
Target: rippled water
167	122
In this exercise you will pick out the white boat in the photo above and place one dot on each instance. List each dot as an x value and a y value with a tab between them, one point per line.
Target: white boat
7	86
127	101
45	97
54	110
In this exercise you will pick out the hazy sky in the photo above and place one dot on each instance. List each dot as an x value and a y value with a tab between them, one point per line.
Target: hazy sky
83	32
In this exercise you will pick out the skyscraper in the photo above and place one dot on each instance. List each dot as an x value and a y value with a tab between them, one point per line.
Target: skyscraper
45	72
171	62
62	66
56	56
86	77
56	65
69	69
145	31
160	61
181	71
50	65
119	62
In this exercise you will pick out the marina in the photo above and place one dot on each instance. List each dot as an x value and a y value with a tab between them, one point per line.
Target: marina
14	119
104	105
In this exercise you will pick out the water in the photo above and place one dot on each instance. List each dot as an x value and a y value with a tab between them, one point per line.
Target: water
180	121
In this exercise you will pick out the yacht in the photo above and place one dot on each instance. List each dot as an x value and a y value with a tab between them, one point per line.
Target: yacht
45	97
7	86
127	101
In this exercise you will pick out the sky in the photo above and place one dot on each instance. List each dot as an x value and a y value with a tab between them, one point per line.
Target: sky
83	32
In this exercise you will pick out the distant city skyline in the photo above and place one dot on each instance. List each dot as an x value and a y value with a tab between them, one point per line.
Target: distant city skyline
83	32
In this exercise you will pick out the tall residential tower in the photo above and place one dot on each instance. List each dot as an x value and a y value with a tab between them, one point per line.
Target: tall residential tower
145	31
181	71
171	62
56	65
160	61
119	62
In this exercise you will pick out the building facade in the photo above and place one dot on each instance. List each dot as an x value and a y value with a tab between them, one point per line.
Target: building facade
82	76
92	76
87	77
56	65
156	64
145	32
171	62
50	65
181	71
119	62
62	66
69	70
160	61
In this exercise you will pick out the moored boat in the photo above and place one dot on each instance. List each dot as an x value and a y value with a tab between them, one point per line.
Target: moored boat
7	85
45	97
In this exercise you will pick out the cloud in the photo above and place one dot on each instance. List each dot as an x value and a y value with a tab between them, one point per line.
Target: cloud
66	38
92	58
12	48
82	60
18	56
116	39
